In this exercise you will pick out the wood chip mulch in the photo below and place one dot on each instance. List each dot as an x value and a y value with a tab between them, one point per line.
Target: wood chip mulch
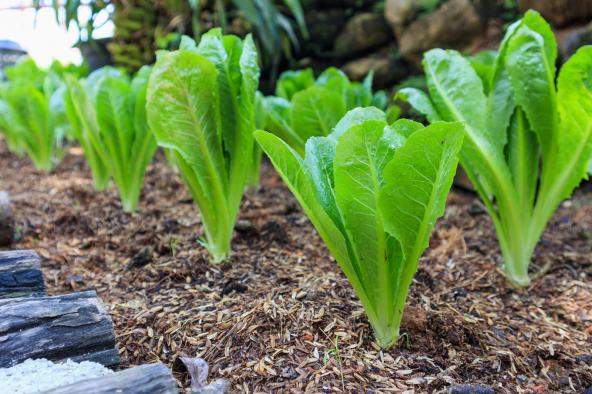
281	317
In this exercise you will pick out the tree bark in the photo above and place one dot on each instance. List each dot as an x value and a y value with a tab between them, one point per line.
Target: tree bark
74	326
6	220
20	274
145	379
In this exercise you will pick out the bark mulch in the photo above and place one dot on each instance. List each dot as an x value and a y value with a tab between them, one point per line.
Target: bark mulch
281	317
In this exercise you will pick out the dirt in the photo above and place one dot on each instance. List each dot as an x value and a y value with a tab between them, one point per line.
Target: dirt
281	317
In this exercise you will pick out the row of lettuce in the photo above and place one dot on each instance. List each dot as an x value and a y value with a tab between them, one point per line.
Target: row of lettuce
372	185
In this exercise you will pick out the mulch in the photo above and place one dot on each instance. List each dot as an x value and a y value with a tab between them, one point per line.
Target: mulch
281	317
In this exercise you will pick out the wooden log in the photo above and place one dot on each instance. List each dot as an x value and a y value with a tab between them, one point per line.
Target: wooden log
20	274
6	220
145	379
73	326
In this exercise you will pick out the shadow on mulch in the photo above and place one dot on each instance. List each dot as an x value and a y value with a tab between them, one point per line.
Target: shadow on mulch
280	317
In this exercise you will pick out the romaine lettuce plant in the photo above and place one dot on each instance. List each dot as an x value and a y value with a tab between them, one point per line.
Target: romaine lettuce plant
529	137
8	128
27	119
304	107
81	114
373	191
201	102
108	114
121	112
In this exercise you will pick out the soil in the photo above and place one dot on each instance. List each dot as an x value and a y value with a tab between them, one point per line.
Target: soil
281	317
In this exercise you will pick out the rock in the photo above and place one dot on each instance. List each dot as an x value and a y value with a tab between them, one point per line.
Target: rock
169	225
362	33
560	12
244	226
234	285
323	27
6	220
456	24
357	4
399	13
584	359
569	40
388	69
142	258
289	373
459	292
468	389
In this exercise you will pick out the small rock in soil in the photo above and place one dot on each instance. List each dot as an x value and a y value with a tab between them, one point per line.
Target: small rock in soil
288	373
244	226
459	292
140	259
467	389
234	285
584	359
169	225
498	332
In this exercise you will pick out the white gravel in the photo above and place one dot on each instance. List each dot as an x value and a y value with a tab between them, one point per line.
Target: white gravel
36	376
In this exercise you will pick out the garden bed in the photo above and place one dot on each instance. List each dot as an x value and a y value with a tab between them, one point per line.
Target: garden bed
270	319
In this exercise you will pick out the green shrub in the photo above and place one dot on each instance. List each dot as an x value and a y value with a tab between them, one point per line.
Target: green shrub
529	140
373	191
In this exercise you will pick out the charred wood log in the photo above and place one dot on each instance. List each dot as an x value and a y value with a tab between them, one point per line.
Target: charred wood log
145	379
74	326
20	274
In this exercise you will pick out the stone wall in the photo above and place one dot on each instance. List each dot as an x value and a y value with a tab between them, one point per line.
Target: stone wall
390	36
353	35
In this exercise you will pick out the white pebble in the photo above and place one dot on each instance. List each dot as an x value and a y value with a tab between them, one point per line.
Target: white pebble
35	376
